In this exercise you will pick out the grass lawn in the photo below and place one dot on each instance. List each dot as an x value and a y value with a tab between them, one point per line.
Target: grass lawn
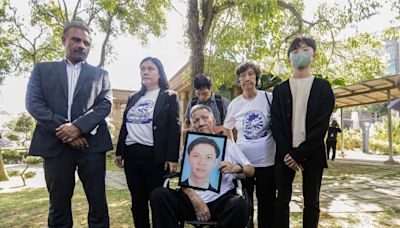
29	208
110	165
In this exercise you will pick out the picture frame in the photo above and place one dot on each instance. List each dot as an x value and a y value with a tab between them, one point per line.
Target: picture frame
202	156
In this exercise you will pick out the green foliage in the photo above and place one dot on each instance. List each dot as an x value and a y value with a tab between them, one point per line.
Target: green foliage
353	138
378	140
21	127
32	160
261	30
13	173
12	137
29	174
354	59
395	5
32	35
13	156
268	81
381	130
382	147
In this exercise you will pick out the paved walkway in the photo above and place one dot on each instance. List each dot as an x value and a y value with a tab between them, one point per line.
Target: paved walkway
358	156
375	188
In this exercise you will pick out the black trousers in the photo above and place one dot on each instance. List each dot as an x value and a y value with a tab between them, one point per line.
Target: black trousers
60	180
264	180
329	145
142	176
169	207
311	187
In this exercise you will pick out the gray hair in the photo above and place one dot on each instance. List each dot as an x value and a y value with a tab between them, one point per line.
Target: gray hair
199	107
76	24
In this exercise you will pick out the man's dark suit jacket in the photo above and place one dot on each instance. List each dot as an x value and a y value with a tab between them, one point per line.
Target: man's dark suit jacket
47	101
166	126
320	105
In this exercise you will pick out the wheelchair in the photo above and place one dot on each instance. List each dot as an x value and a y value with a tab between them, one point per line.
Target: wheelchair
239	181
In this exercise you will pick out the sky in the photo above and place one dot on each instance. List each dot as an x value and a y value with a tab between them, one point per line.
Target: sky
170	49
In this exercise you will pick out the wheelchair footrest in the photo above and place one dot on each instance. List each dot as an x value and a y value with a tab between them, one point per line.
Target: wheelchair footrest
208	223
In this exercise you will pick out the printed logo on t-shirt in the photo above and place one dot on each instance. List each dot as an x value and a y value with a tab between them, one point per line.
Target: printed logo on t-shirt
254	125
140	113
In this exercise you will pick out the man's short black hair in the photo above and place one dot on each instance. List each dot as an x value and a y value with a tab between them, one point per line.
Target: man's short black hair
203	140
309	41
202	81
76	24
245	66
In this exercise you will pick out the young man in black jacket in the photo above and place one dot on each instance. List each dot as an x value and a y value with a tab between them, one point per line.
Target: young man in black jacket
301	109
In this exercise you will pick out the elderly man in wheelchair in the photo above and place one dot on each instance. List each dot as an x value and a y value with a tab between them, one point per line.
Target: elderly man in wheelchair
227	208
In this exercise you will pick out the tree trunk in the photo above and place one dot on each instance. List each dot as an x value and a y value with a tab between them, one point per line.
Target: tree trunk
196	40
3	173
23	175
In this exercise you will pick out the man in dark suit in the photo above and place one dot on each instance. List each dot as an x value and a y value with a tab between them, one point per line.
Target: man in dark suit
301	109
70	101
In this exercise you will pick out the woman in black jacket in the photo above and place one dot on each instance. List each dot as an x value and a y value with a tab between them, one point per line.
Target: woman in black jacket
148	143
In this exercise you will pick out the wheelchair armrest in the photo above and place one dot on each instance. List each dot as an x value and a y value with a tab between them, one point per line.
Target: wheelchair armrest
240	176
168	177
239	179
171	175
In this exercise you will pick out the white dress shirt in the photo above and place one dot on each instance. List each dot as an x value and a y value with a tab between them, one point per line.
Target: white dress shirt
73	72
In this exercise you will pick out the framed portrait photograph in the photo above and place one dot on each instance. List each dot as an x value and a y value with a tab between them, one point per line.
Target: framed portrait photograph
201	158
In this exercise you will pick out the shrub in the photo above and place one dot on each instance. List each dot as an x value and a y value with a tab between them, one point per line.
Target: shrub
352	138
29	174
14	155
13	173
382	147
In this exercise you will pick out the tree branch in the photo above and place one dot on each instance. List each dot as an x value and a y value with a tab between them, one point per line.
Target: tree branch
208	16
295	13
224	6
76	10
173	7
108	27
65	11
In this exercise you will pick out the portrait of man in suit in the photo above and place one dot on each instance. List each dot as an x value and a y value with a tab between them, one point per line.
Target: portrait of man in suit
70	100
203	159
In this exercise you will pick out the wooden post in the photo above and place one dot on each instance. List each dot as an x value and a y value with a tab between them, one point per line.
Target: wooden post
390	149
342	154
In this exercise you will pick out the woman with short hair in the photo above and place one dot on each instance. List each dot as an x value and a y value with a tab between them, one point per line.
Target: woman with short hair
250	114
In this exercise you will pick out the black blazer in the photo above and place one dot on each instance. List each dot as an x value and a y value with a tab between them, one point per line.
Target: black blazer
166	126
320	105
47	101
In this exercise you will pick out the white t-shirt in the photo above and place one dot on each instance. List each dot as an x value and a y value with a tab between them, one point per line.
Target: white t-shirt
251	118
300	89
234	156
139	120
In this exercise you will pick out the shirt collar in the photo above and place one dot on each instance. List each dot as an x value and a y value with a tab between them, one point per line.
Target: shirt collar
212	98
205	186
80	64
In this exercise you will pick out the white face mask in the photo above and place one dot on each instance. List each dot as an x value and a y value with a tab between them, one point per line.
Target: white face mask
301	59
